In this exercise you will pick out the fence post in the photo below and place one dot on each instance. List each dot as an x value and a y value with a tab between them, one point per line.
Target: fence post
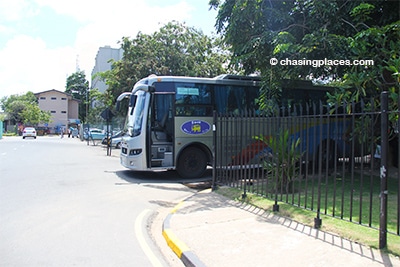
318	220
383	170
243	132
214	148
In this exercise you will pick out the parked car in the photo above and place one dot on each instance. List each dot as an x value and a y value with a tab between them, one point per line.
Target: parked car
40	131
94	133
29	132
115	140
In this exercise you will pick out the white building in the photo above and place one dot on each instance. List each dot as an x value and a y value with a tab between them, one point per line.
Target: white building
102	63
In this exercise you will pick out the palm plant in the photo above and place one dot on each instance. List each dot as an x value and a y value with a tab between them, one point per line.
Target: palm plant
282	160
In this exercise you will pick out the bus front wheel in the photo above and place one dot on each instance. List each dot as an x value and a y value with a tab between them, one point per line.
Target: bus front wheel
192	163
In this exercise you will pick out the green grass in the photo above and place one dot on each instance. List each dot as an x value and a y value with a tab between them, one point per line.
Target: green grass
353	198
354	232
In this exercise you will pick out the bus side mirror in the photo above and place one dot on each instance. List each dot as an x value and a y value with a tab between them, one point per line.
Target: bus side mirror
120	98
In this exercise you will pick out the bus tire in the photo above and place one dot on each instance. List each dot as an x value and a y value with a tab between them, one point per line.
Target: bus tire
192	163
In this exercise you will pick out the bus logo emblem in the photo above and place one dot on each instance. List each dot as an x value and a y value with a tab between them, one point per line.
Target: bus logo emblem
195	127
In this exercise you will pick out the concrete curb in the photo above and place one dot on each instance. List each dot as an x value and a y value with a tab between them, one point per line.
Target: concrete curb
179	247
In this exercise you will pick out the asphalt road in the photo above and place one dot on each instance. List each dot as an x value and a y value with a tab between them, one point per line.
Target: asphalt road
65	203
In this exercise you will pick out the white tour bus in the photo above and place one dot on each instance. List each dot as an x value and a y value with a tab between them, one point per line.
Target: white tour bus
169	120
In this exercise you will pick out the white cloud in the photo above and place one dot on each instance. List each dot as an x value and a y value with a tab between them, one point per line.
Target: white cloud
109	29
28	64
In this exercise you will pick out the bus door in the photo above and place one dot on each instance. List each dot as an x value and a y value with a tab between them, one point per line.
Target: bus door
161	131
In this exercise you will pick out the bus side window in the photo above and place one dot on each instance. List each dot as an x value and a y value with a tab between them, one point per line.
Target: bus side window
193	100
229	99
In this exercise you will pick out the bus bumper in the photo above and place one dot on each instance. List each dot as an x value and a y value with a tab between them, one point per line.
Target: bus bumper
134	163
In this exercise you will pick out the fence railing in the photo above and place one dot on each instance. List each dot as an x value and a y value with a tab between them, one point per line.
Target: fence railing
318	157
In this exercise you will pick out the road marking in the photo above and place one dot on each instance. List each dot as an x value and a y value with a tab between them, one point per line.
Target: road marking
142	241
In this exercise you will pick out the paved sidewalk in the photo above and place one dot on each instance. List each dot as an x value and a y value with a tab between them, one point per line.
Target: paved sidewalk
208	229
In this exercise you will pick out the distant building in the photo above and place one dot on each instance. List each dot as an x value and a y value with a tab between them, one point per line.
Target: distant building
104	55
64	109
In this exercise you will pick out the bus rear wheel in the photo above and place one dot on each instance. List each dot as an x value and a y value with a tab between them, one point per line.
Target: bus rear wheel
192	163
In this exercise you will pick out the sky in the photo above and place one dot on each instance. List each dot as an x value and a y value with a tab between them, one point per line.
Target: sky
42	42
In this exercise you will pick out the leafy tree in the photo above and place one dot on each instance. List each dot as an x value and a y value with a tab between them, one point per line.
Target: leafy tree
101	101
259	30
33	115
24	109
312	29
78	87
173	50
8	100
13	105
14	110
94	117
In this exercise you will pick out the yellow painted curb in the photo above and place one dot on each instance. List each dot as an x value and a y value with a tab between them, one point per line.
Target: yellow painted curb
177	246
177	207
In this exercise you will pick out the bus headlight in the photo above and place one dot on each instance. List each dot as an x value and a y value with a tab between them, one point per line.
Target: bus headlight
134	152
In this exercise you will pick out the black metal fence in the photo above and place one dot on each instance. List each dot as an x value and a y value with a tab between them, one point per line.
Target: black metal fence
340	160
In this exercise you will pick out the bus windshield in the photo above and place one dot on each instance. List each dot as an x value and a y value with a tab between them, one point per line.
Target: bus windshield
135	116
